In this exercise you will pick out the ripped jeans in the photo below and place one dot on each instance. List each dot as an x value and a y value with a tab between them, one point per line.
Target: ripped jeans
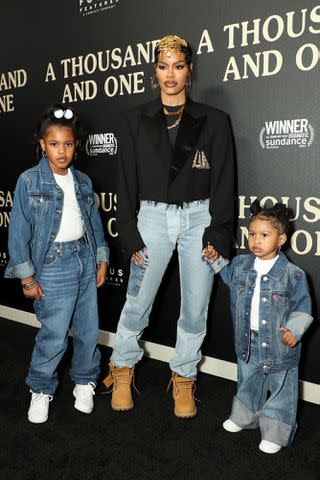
163	227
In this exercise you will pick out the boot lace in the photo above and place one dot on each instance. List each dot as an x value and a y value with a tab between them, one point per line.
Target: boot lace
188	385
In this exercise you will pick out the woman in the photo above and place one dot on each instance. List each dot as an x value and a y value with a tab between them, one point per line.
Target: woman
175	168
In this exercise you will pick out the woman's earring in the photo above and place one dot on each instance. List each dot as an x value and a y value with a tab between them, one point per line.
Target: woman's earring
154	82
44	153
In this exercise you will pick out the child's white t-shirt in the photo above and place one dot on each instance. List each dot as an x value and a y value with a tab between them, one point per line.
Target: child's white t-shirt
262	267
71	226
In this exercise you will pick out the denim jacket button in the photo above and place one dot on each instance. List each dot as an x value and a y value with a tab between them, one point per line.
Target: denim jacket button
264	299
265	367
264	344
265	279
264	322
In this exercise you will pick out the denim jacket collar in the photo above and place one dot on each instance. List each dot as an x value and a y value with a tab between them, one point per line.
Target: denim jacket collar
276	271
47	177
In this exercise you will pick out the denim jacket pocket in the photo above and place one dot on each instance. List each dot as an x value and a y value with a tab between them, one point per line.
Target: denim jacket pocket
39	203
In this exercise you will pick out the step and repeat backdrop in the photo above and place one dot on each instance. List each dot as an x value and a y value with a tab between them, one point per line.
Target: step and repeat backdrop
258	61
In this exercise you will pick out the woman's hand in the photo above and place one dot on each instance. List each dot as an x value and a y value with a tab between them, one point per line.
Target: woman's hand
287	338
210	253
140	258
101	274
35	292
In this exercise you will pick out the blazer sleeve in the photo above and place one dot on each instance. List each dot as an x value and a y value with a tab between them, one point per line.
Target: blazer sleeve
221	207
128	192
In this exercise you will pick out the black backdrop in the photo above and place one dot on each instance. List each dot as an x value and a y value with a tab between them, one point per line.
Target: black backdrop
259	61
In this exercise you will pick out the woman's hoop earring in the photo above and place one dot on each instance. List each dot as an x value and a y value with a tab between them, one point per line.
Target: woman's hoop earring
154	82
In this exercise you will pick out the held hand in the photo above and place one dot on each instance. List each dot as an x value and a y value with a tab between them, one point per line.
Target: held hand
101	274
287	338
210	253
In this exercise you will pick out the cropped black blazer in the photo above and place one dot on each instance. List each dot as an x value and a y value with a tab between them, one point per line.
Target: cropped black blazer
199	167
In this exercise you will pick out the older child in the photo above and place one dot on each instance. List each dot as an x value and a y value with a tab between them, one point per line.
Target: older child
271	309
57	250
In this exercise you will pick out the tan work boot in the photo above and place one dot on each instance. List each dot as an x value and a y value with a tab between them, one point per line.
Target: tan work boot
182	391
121	378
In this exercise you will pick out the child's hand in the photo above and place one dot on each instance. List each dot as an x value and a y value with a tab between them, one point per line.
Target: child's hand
101	274
35	292
287	338
210	253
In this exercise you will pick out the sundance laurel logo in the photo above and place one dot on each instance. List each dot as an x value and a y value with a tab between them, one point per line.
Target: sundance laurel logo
284	133
88	7
101	144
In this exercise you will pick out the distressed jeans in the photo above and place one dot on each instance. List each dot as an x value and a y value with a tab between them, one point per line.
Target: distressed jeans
68	281
274	412
163	227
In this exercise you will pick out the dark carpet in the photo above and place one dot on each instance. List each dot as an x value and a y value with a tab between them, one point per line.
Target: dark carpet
146	443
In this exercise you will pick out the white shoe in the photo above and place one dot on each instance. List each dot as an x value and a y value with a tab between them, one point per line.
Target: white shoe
269	447
84	397
39	407
230	426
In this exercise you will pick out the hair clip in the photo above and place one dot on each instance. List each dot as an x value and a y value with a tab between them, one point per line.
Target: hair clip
67	114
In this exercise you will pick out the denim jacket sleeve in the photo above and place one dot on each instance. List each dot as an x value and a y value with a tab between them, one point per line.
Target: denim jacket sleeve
228	271
20	234
97	228
300	316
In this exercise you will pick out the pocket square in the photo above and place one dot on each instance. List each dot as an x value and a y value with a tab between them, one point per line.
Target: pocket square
200	161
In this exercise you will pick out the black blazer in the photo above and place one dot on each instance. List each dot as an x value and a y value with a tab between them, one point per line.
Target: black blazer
199	167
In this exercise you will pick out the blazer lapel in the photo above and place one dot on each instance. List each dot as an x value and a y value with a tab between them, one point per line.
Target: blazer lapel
154	123
187	138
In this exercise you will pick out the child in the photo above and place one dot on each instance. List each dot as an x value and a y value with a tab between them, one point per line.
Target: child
57	250
271	310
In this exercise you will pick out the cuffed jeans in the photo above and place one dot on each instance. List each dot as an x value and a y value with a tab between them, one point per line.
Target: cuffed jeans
68	281
275	414
162	227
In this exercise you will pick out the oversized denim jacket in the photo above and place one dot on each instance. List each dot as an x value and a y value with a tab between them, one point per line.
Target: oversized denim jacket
284	301
36	217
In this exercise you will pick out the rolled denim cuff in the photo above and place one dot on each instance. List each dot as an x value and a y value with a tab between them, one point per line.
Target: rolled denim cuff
275	431
103	254
298	323
23	270
216	265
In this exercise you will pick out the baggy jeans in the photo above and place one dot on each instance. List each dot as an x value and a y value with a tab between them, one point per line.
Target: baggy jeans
275	412
68	281
162	227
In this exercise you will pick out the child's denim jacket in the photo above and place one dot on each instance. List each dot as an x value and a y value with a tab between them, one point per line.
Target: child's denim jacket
284	301
36	217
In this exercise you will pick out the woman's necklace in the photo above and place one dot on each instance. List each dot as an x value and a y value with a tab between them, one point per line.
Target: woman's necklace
172	113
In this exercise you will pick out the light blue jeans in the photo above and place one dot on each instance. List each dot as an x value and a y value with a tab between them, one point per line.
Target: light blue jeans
274	413
162	227
68	281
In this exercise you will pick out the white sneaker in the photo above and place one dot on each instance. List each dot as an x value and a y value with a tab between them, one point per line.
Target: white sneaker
84	397
230	426
269	447
39	407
